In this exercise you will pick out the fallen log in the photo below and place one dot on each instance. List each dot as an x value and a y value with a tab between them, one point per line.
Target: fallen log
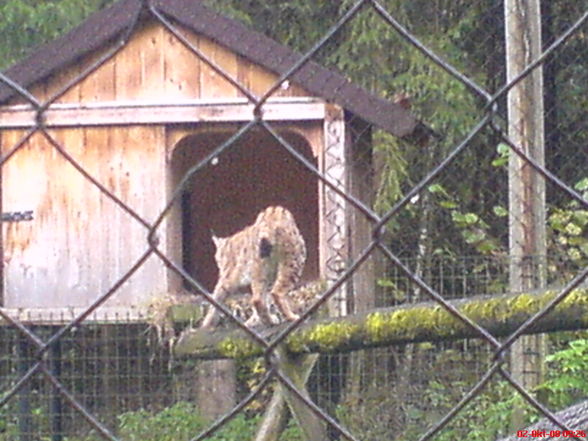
500	315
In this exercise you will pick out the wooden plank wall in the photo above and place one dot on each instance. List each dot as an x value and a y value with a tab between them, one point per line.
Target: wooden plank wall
155	65
80	242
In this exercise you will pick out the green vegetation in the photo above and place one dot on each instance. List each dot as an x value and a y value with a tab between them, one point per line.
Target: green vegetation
462	213
26	24
381	414
182	422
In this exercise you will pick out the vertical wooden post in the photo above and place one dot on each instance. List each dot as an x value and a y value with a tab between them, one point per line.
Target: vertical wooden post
334	228
345	231
335	240
361	186
298	369
216	387
274	419
109	368
527	233
363	295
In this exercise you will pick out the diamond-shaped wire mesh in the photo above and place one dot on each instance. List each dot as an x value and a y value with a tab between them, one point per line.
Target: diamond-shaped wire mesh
108	223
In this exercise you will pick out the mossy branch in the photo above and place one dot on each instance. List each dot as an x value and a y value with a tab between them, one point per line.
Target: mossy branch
499	315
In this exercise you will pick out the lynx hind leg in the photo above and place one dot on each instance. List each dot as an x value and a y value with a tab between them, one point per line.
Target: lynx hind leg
211	319
254	320
259	302
288	275
285	283
289	269
212	316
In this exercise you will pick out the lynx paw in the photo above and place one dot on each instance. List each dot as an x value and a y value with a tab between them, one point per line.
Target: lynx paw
274	319
253	321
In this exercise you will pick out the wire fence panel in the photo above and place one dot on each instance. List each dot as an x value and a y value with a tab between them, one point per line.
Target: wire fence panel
430	152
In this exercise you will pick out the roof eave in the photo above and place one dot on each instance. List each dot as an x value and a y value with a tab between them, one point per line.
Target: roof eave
108	24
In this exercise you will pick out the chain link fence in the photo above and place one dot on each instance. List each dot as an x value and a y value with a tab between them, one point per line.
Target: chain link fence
440	217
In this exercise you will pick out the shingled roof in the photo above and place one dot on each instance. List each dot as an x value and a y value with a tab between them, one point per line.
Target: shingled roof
106	25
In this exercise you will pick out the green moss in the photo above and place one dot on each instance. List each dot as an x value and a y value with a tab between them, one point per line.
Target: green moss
185	313
576	298
380	326
500	311
377	326
445	322
296	343
409	323
417	323
485	310
238	348
329	336
324	336
523	304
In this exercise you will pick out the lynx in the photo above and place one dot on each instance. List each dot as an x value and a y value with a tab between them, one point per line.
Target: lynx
300	299
268	257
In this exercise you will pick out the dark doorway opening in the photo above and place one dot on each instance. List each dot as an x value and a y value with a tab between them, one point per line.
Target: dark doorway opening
226	196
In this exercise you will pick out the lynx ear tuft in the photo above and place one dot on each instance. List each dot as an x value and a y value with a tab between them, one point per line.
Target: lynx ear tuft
215	238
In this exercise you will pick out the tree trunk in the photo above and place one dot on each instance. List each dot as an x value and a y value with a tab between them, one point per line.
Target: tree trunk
527	236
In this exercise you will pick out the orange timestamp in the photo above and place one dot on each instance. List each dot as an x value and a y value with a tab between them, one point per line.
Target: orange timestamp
551	434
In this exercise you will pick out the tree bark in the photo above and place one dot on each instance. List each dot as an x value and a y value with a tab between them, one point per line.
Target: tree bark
298	369
274	418
527	231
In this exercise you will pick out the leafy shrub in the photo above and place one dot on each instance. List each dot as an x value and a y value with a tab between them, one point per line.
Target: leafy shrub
177	422
182	421
566	379
382	415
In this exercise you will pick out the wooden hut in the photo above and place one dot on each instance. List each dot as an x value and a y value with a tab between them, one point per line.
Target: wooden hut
133	111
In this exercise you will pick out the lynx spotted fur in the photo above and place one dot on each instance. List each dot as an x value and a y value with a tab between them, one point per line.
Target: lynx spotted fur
300	300
268	257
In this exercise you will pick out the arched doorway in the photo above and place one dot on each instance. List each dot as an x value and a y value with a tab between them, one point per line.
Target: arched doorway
226	196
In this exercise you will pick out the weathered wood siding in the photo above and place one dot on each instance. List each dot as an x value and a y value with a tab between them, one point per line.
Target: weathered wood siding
80	241
155	65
